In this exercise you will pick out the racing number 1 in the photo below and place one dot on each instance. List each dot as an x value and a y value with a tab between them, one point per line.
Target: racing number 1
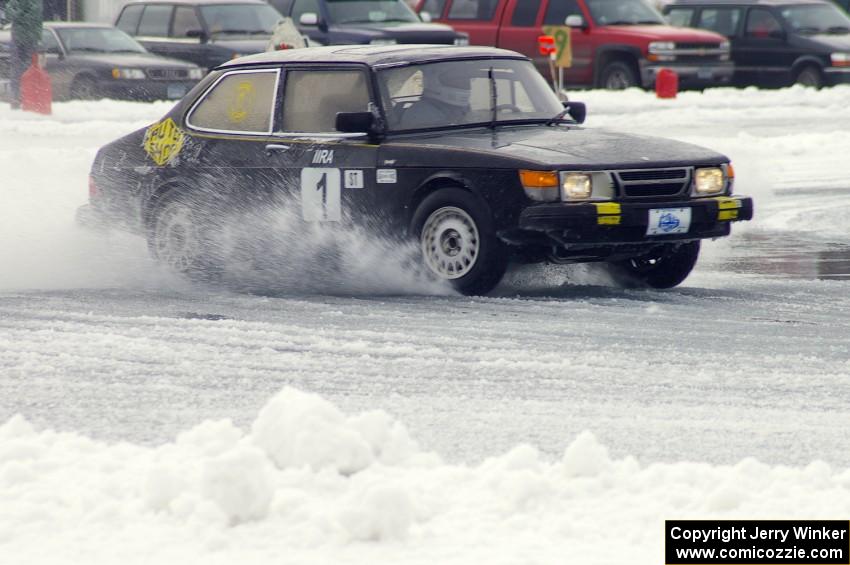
320	194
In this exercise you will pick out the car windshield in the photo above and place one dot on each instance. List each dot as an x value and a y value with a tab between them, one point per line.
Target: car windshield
240	19
370	11
98	40
461	93
819	18
623	12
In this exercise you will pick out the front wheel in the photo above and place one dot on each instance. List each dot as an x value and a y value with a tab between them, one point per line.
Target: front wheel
665	267
810	76
458	242
618	75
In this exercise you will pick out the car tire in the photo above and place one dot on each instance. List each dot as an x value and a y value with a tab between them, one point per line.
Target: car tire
664	267
456	237
179	237
810	76
84	88
618	75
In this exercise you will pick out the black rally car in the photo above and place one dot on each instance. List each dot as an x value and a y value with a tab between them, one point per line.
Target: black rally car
463	149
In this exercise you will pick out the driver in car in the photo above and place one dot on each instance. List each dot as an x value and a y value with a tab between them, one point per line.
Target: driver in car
446	90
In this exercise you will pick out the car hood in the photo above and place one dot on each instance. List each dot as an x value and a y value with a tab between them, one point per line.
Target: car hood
402	32
136	60
668	33
548	147
257	44
833	42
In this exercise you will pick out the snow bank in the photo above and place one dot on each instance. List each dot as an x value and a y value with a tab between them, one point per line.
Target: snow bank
308	483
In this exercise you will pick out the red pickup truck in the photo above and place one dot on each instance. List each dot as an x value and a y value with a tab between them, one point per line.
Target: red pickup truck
615	43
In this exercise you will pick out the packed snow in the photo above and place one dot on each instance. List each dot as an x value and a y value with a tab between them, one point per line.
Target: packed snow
148	419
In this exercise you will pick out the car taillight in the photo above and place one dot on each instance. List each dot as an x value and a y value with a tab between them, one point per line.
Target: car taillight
92	188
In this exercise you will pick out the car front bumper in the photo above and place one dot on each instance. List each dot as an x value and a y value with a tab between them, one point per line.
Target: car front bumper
598	224
145	89
836	75
690	75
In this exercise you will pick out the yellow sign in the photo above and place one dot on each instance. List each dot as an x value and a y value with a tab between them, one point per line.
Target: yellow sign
242	103
163	141
564	55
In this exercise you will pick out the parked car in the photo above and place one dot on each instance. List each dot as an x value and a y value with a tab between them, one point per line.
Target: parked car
342	22
615	43
88	61
204	32
776	42
466	151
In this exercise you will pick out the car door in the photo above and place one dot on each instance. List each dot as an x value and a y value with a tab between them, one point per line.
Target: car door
556	13
479	18
317	32
154	24
56	64
764	56
324	175
185	36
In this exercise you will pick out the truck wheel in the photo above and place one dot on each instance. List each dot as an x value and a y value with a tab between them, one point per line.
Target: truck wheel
618	75
809	76
664	267
457	239
178	237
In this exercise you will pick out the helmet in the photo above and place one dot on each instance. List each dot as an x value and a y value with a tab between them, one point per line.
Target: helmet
447	82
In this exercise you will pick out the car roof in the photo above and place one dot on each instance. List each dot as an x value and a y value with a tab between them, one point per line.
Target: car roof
745	2
196	2
378	55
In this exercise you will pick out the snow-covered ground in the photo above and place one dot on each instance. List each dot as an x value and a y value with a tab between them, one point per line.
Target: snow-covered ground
176	440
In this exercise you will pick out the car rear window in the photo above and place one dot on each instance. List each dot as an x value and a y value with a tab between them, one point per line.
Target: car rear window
312	99
239	102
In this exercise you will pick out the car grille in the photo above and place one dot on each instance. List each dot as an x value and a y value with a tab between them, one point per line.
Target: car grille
705	46
647	183
168	74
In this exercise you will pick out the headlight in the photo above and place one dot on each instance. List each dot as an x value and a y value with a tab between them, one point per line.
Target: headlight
726	48
709	181
661	46
196	74
383	42
462	41
840	59
576	186
131	74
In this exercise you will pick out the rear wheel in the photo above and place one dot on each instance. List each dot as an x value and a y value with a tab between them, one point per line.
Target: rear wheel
458	242
618	75
179	237
810	76
665	267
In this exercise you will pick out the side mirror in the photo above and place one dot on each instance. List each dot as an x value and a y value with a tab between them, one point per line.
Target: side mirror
199	34
426	17
577	111
309	19
355	122
574	21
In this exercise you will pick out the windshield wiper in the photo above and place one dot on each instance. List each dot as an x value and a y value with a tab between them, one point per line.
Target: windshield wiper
494	98
242	32
559	117
625	23
838	29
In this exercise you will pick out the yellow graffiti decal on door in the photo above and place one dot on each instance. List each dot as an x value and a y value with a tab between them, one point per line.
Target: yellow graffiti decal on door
163	141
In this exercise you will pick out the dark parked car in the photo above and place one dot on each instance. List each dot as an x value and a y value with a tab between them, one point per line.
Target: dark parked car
376	22
776	42
88	61
464	150
204	32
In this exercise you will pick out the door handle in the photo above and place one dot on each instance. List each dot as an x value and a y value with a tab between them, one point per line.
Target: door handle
271	147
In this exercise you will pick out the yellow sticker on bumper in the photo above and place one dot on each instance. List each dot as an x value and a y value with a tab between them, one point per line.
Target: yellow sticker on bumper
163	141
607	213
727	209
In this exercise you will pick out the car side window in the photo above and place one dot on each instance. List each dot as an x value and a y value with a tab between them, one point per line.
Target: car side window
312	99
525	13
721	20
155	20
558	11
680	17
472	9
128	21
761	24
239	102
185	20
304	7
49	42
